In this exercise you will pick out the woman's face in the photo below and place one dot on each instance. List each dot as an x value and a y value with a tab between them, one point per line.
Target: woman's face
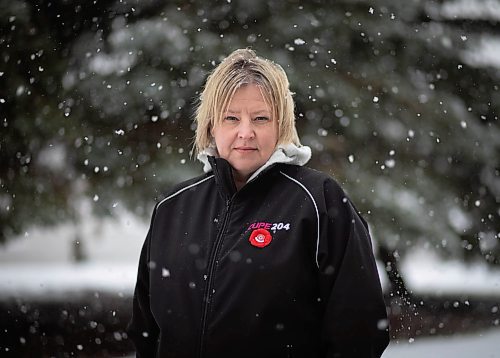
248	133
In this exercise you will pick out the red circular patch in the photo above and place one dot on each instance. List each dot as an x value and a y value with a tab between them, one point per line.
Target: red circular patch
260	238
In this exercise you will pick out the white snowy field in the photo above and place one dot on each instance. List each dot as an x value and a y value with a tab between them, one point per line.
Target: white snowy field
485	344
47	281
39	263
479	345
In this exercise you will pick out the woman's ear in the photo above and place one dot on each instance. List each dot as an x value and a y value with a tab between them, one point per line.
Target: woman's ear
211	137
211	132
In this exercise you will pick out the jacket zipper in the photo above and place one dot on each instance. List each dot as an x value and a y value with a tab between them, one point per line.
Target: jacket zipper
208	288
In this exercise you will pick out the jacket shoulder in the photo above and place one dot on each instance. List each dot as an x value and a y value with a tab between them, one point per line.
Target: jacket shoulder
312	179
324	188
184	187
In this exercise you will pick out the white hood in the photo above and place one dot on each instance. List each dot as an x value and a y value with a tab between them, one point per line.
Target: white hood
285	153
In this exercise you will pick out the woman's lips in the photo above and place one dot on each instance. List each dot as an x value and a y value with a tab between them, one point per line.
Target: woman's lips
245	149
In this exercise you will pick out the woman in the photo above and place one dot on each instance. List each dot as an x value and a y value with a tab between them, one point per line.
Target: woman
260	256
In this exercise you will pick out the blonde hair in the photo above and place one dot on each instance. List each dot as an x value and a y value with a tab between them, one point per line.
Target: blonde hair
243	67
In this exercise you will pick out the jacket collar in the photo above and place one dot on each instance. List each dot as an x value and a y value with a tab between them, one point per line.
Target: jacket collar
223	176
284	153
287	153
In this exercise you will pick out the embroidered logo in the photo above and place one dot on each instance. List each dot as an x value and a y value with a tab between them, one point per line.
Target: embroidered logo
269	226
260	238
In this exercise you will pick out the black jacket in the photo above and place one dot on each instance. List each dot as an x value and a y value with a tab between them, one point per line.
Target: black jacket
205	290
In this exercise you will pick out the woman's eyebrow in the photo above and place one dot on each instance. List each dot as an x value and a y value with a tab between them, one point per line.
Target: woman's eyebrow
262	111
259	111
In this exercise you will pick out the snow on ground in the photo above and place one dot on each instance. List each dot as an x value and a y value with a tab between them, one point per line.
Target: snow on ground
479	345
49	280
425	272
40	262
104	240
483	344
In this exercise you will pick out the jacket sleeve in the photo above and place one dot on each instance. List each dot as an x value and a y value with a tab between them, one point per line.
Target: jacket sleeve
355	321
142	328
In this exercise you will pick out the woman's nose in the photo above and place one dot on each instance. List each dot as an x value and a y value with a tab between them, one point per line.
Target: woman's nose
245	129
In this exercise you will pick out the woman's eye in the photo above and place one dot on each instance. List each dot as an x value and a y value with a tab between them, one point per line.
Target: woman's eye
261	118
231	118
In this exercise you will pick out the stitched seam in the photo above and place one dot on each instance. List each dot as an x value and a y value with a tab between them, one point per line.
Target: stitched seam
183	189
315	208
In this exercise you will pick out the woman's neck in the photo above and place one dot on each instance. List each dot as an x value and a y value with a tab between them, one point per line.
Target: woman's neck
239	179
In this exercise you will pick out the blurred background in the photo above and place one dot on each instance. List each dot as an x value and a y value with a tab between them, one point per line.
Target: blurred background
399	101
